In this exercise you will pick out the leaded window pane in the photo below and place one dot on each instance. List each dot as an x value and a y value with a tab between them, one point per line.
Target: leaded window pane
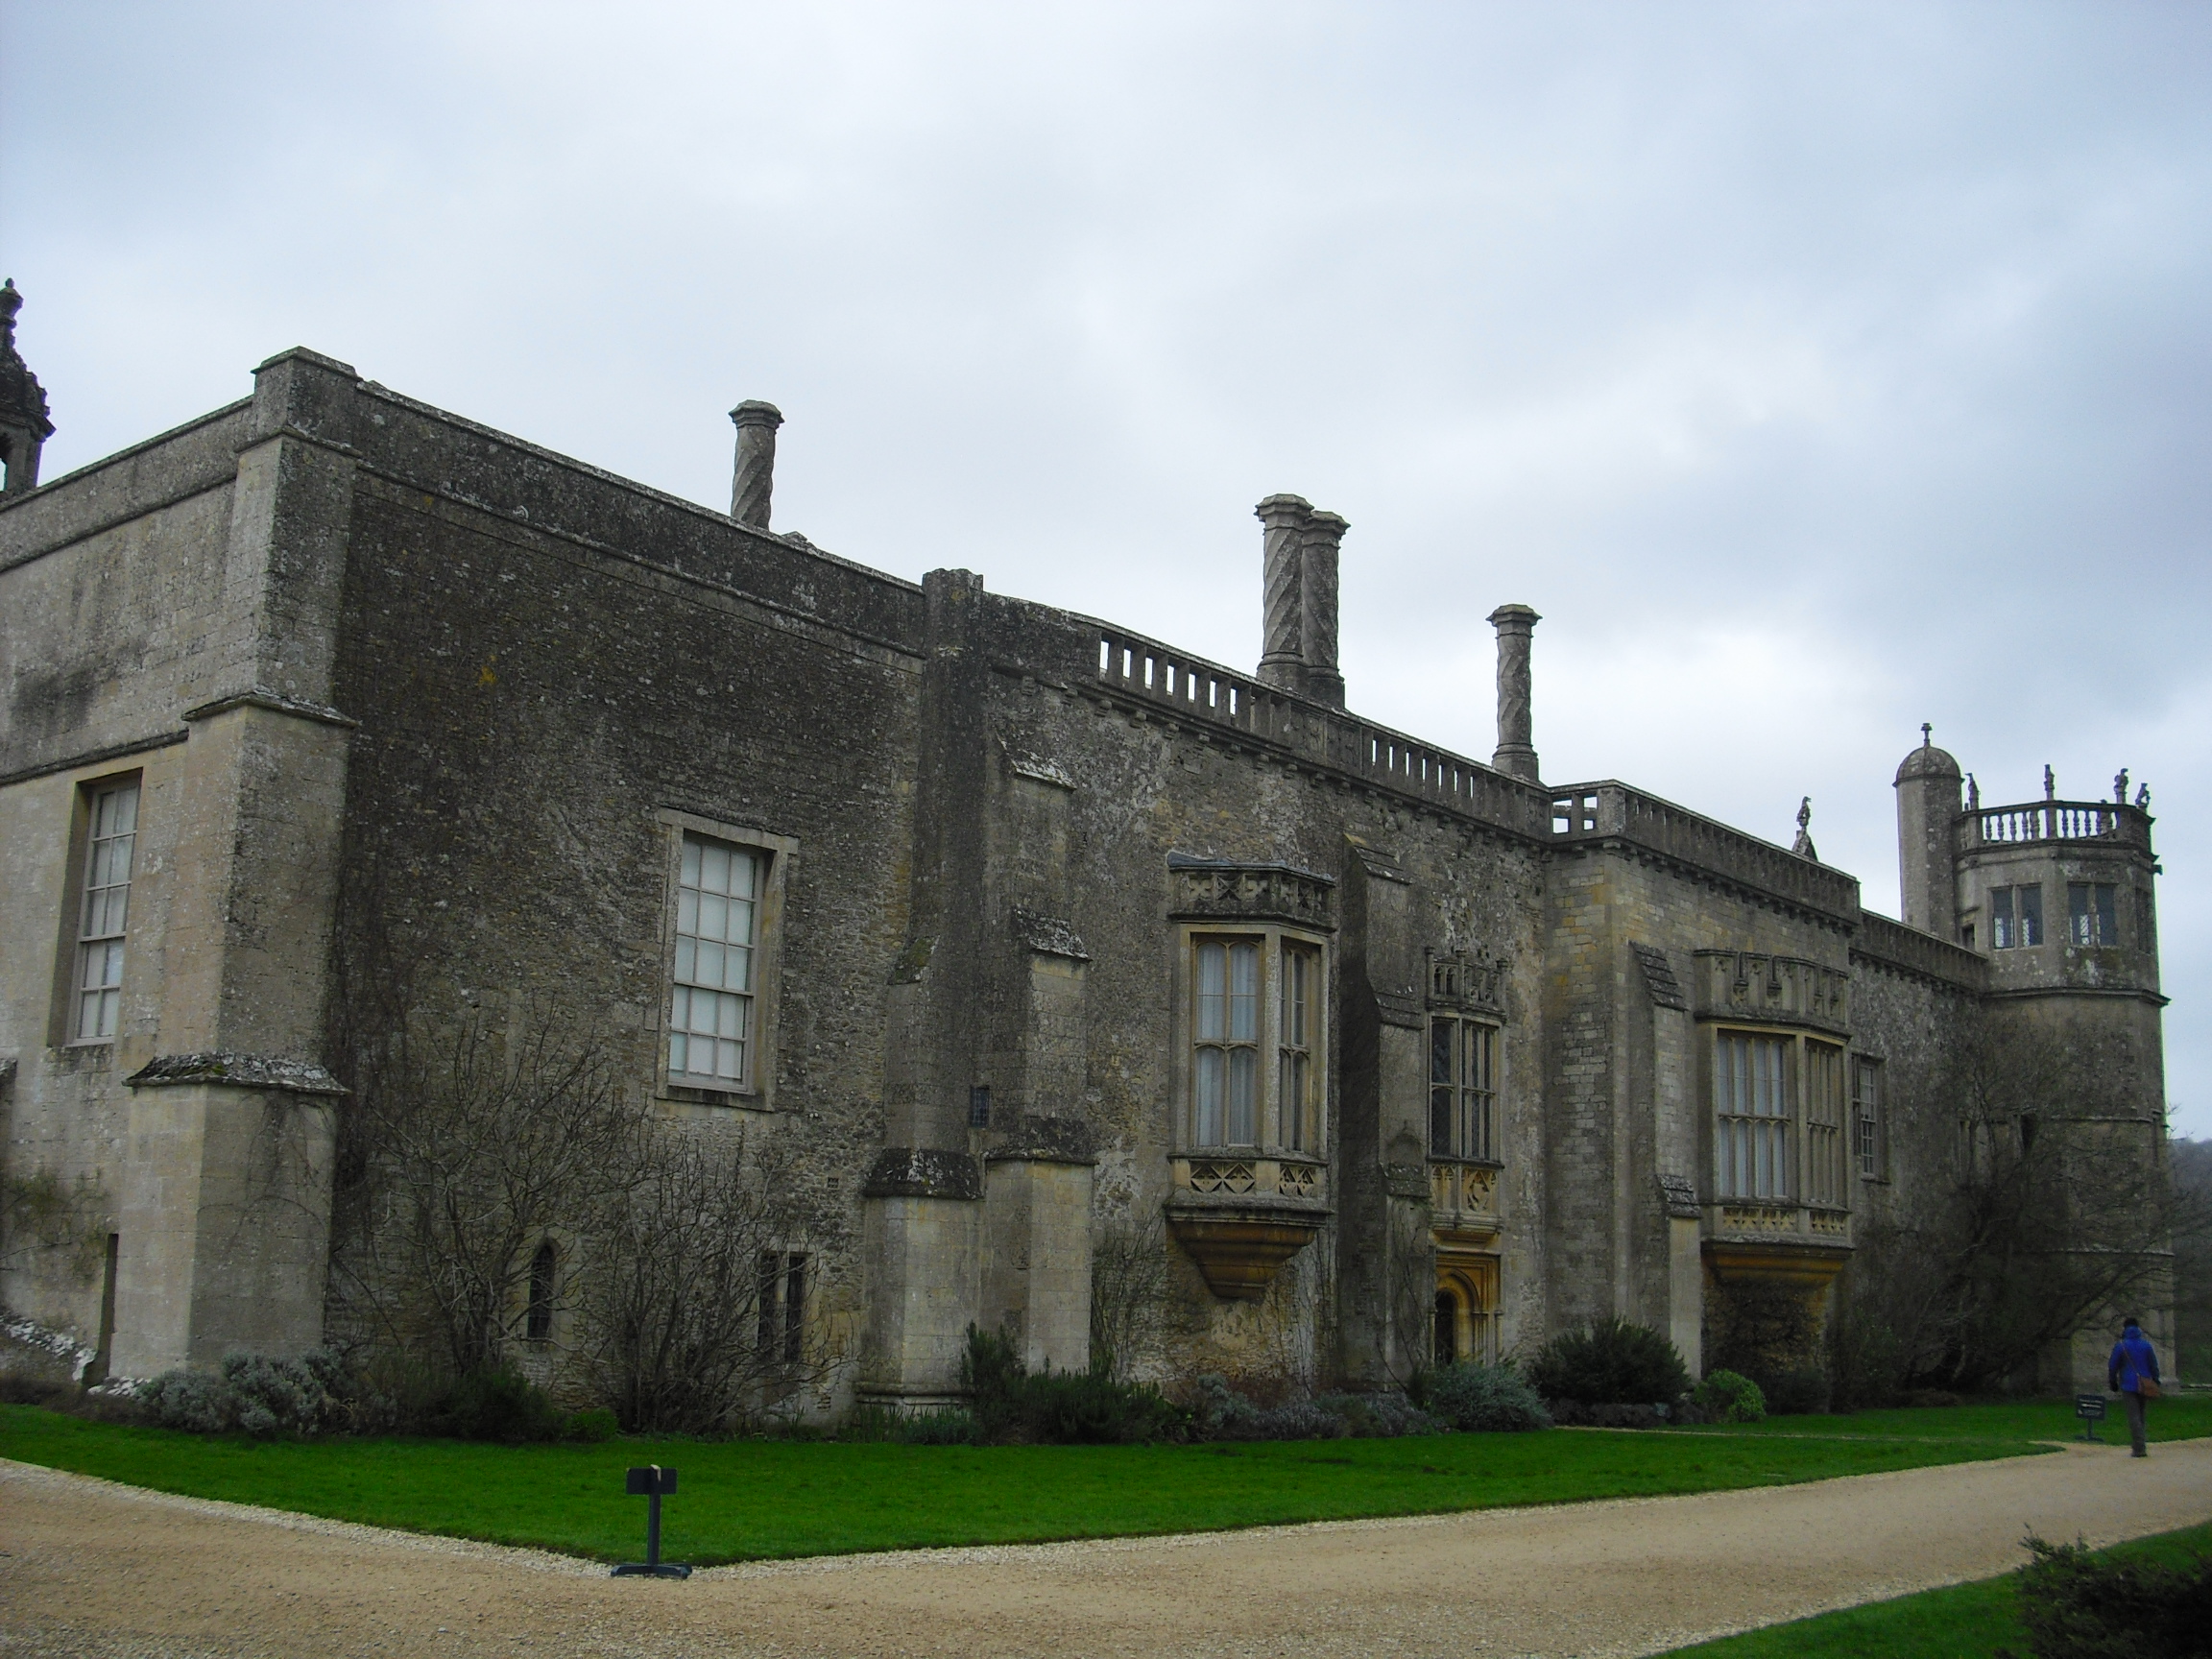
103	916
711	1010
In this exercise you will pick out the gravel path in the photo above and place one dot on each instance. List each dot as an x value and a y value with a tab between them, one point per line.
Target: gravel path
90	1568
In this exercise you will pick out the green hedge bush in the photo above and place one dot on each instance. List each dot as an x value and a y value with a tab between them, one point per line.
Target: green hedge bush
1731	1397
1485	1399
1611	1362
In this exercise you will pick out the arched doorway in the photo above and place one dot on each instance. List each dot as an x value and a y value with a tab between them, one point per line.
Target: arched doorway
1466	1317
1445	1347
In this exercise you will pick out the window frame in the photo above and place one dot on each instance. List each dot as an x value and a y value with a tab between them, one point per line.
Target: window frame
1827	1155
1803	1139
1275	941
1869	1117
1786	1119
2093	926
2015	913
1463	1024
777	854
74	944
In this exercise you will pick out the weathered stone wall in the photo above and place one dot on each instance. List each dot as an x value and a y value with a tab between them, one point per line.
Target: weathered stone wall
421	710
535	708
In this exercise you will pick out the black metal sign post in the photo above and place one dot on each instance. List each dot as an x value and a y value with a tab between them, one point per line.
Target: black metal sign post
652	1483
2090	1408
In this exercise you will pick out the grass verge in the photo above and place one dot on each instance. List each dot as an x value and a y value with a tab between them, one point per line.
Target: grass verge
746	1499
2183	1418
1961	1621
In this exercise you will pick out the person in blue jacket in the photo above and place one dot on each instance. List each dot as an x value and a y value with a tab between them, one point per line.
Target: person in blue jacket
2134	1362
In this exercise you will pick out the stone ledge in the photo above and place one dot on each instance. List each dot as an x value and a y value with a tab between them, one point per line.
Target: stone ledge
236	1071
923	1172
276	703
1048	1141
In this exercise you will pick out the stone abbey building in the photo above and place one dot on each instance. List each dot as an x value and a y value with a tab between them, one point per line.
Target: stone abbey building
1015	932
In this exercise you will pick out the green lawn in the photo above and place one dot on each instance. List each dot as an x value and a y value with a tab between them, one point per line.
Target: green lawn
1964	1622
749	1499
2170	1419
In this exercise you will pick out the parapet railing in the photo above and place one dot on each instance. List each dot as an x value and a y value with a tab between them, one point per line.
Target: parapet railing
2059	821
1194	687
1595	811
1883	939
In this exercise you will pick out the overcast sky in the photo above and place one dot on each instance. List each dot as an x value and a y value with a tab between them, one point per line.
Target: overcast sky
1814	369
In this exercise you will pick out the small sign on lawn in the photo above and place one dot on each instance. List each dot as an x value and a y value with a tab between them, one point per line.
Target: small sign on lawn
653	1482
2090	1408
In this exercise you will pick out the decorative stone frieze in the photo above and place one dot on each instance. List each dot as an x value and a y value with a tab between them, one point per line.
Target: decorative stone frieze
1771	990
1241	1218
1209	889
1463	1192
1467	981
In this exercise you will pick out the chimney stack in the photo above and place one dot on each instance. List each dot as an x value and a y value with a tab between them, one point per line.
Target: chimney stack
1318	607
1298	643
755	475
1516	753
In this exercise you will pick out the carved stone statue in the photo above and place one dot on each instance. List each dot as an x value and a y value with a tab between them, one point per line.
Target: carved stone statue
2049	782
1803	845
1973	794
2143	798
2119	786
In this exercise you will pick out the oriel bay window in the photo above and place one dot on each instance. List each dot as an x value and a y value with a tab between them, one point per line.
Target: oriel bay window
1463	1088
1752	1116
1780	1107
1257	1041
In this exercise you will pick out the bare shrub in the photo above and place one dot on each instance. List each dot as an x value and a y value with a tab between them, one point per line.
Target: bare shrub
465	1145
1128	1290
688	1257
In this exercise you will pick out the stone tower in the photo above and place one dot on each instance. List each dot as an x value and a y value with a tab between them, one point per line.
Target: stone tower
2058	897
1927	808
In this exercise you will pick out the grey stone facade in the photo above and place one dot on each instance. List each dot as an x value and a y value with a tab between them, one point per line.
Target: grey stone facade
404	699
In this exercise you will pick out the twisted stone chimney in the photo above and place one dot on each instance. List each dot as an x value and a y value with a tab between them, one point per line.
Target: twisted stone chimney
755	480
1516	753
1298	628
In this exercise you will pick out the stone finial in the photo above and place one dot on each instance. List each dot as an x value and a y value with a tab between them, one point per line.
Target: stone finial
755	480
1803	846
1516	751
24	422
2049	782
1973	794
1927	734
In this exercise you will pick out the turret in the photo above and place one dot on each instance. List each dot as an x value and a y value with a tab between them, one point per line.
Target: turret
1927	808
